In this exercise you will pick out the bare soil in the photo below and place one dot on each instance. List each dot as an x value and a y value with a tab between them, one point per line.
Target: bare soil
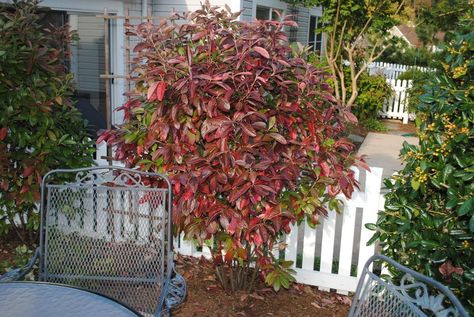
8	244
206	298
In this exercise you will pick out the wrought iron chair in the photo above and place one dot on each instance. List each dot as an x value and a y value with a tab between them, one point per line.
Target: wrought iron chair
108	229
416	295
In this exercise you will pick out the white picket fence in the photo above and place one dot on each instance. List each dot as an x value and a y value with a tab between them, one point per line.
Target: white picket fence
340	240
392	71
396	106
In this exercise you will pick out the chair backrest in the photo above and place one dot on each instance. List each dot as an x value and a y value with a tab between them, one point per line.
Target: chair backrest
107	229
414	295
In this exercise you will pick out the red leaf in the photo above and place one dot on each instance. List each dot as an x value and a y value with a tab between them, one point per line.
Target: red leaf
187	195
349	116
27	171
324	168
448	269
257	239
232	226
156	91
3	133
198	36
160	92
24	189
151	93
102	137
248	129
278	137
261	51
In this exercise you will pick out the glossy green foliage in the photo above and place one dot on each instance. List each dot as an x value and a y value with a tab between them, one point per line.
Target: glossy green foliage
419	78
39	127
355	14
400	52
433	17
373	91
428	222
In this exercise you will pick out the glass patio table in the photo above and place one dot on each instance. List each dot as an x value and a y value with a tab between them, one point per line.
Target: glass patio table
28	299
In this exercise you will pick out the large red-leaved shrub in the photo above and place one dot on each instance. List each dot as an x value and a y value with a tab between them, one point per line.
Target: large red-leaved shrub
250	137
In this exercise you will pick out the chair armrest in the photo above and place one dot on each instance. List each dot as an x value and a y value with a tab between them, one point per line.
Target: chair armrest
20	273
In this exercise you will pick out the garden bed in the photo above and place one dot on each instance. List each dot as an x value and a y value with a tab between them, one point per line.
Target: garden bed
8	256
206	298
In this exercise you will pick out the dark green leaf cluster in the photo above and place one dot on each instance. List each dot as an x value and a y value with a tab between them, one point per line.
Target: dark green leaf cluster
399	52
428	222
439	15
419	79
39	127
373	90
354	16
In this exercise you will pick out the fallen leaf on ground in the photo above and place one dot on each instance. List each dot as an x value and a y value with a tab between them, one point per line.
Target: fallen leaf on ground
316	305
256	296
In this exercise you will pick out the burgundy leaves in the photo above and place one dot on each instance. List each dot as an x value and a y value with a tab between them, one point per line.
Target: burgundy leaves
238	125
156	91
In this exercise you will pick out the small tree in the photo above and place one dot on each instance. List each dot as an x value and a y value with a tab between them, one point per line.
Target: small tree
356	35
250	137
39	127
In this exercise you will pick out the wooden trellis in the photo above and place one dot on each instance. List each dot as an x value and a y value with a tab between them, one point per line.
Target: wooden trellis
108	75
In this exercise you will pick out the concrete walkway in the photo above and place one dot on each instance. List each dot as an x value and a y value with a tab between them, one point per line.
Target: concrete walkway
383	150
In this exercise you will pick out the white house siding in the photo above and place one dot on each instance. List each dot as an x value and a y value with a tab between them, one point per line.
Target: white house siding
134	8
303	23
165	7
302	16
247	13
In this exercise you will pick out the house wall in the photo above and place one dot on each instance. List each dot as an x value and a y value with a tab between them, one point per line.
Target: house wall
301	17
165	7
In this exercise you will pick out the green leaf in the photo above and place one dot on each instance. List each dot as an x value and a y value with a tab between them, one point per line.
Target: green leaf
471	224
452	203
371	226
466	207
429	244
448	169
415	185
373	238
276	285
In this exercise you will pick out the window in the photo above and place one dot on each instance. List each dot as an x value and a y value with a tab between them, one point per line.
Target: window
87	59
315	39
264	13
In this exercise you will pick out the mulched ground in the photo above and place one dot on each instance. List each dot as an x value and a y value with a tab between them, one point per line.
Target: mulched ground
206	298
8	244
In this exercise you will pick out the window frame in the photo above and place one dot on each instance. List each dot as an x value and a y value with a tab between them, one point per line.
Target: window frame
314	40
117	42
282	7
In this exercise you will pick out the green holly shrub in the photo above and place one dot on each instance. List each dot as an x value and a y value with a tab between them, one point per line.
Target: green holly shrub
419	79
40	129
428	222
373	90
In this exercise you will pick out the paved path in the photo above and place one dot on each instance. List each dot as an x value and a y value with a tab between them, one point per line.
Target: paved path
382	150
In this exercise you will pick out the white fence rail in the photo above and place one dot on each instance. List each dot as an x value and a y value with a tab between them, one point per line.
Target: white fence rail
396	107
101	155
332	255
392	71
